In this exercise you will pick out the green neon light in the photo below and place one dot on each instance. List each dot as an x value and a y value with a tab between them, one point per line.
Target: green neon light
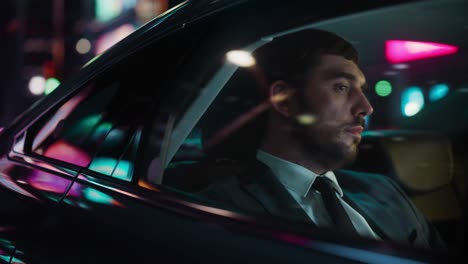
383	88
106	10
438	92
84	126
412	101
97	196
194	142
104	165
101	130
50	85
123	170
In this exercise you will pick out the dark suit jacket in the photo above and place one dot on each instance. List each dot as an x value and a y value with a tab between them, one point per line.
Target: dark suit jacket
254	189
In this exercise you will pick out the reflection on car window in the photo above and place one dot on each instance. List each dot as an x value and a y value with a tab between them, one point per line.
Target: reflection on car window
95	130
115	125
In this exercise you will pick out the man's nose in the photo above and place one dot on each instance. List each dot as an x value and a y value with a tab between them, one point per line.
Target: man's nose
362	106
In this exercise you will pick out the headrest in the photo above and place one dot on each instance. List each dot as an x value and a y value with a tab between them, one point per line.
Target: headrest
420	161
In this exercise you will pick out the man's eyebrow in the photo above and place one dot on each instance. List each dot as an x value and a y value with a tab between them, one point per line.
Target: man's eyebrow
333	74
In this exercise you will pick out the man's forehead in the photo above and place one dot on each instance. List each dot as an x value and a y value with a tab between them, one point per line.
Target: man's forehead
335	66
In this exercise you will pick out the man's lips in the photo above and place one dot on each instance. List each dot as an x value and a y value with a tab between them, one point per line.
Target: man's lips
356	130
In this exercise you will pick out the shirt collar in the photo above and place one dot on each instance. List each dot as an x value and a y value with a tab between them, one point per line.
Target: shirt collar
293	176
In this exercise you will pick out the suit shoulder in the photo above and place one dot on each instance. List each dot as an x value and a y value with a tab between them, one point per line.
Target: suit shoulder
363	177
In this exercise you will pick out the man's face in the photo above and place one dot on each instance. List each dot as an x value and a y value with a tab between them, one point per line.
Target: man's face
333	96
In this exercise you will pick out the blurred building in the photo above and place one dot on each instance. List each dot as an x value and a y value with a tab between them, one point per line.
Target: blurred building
46	42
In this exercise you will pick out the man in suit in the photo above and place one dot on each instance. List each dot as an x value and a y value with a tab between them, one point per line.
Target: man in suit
312	129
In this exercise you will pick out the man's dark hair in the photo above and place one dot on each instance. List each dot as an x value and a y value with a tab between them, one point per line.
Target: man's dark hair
289	58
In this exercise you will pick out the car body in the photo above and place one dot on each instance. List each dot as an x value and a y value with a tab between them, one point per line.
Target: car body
85	173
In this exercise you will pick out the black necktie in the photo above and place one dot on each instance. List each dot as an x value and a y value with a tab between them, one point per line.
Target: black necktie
338	214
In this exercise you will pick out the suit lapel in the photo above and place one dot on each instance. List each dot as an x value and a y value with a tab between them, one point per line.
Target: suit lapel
373	223
260	183
382	213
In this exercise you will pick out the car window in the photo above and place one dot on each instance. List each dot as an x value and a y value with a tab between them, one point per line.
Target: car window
100	126
94	129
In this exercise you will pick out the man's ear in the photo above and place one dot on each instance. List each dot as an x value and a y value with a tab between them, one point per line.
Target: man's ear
280	97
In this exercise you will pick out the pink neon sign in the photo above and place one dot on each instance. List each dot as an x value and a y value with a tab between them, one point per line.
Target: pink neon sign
398	51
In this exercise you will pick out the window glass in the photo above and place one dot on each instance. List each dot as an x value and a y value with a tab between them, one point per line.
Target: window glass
94	129
104	124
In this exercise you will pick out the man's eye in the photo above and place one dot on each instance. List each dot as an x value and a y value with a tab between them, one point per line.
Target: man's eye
341	88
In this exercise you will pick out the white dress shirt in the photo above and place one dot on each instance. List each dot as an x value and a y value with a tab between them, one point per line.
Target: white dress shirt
298	181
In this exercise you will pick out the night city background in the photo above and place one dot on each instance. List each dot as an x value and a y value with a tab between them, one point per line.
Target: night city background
45	42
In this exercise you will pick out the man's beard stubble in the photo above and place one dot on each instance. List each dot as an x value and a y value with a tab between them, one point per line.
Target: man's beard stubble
320	145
